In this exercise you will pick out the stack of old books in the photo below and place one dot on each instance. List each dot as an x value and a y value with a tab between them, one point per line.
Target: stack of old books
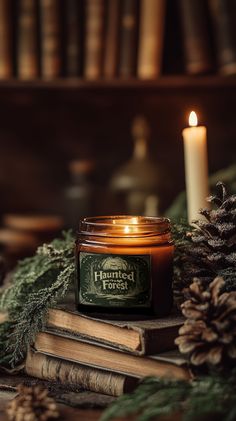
106	356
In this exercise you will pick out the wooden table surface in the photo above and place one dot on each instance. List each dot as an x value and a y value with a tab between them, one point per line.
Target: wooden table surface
8	391
74	414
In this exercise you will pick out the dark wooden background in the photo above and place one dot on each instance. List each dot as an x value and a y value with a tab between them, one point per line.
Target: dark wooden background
45	125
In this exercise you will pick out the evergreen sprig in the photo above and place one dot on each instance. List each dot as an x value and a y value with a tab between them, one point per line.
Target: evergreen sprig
5	331
210	395
38	283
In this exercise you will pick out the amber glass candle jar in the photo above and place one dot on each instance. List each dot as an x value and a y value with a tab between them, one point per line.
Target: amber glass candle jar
124	265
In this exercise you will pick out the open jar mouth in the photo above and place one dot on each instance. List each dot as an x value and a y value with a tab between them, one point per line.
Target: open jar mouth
124	226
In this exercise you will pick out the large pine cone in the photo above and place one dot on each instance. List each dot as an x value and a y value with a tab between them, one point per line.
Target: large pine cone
212	249
208	335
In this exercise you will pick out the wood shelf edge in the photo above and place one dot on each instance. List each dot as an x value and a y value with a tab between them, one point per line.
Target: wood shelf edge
164	82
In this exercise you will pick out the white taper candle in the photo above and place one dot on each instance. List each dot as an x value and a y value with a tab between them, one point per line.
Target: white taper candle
196	167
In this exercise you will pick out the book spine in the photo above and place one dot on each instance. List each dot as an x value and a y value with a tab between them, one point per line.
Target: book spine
27	58
128	43
224	35
151	38
50	39
195	36
72	374
73	37
94	21
6	65
112	39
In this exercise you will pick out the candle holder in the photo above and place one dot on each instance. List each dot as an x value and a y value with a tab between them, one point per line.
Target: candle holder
124	265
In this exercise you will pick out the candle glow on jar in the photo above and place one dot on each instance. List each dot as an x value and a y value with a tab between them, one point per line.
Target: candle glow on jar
196	167
124	265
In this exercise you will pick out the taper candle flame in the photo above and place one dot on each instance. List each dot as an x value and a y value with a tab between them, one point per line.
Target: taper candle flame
193	119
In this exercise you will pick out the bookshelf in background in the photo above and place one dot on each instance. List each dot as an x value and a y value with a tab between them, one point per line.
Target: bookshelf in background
197	53
74	15
6	37
97	39
67	116
27	42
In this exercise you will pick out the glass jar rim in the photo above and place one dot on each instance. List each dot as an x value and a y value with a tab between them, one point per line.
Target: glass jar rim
124	226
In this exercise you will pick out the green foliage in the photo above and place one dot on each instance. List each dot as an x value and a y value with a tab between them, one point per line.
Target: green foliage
155	397
39	282
5	331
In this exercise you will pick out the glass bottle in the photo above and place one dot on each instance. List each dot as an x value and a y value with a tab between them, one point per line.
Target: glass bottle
78	194
138	178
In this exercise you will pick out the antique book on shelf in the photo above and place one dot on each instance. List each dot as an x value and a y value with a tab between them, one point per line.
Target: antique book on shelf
73	38
77	376
196	39
50	38
85	352
128	38
27	51
151	38
111	38
138	337
6	64
223	14
94	31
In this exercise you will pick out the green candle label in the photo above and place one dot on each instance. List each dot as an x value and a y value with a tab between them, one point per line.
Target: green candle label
114	280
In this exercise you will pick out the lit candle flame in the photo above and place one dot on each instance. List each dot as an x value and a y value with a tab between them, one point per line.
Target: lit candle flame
193	119
127	229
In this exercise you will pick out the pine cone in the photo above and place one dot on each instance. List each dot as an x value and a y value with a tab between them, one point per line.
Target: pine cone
212	248
32	404
208	335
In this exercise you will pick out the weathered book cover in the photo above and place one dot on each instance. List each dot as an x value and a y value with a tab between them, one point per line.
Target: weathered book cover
77	376
151	38
128	38
89	354
111	38
27	49
6	65
223	19
73	36
50	38
94	32
141	337
196	38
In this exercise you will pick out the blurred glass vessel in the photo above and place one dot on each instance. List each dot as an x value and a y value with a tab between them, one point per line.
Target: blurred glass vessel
138	178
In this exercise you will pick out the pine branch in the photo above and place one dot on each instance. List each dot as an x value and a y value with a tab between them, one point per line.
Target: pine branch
212	394
38	271
39	282
5	330
35	311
